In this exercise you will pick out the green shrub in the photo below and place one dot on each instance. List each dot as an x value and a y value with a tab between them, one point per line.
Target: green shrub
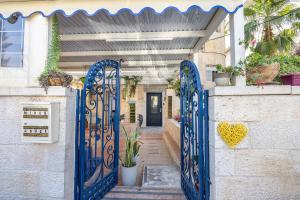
288	63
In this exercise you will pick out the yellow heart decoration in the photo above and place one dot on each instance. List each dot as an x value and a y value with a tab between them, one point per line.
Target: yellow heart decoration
232	134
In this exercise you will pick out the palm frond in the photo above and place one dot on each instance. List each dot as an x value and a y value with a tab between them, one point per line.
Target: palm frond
249	12
250	30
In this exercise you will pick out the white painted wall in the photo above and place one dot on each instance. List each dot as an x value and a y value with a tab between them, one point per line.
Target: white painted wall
36	171
237	50
266	164
35	54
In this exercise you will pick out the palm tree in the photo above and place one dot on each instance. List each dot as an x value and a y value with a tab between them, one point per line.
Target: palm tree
272	26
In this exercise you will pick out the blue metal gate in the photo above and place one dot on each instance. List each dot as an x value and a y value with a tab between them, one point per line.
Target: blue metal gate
97	131
194	134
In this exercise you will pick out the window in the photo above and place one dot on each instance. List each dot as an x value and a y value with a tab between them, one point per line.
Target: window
169	107
210	71
11	43
132	113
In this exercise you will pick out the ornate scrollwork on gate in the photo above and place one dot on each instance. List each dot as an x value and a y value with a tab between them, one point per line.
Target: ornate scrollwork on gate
194	133
99	130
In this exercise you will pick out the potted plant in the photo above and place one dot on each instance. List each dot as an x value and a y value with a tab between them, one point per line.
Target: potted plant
225	75
129	161
131	83
261	69
222	77
289	69
52	75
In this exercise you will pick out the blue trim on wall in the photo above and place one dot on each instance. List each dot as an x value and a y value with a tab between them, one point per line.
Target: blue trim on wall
60	11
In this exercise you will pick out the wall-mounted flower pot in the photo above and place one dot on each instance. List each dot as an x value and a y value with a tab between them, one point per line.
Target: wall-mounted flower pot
55	81
291	79
222	79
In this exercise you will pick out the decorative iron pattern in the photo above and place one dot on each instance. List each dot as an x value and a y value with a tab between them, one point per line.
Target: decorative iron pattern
97	131
194	134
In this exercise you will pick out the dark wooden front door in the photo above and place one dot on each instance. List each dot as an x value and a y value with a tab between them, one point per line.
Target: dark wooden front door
154	109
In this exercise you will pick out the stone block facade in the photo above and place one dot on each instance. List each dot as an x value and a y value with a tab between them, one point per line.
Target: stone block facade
32	170
265	165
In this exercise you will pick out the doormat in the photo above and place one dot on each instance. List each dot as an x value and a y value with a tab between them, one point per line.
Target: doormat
161	176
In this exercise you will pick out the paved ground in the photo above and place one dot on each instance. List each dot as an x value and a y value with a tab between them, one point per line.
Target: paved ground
161	176
161	180
157	167
154	154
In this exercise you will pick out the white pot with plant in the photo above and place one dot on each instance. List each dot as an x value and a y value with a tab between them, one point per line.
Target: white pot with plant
130	161
226	75
222	77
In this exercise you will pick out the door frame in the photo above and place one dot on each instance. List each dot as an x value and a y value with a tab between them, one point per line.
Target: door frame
161	103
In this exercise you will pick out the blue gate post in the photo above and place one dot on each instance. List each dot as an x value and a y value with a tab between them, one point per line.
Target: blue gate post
200	144
206	124
76	145
82	144
116	122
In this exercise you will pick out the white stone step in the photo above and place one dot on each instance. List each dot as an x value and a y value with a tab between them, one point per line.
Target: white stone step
140	193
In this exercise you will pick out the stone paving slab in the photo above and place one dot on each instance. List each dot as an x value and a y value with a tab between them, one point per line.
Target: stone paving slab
163	176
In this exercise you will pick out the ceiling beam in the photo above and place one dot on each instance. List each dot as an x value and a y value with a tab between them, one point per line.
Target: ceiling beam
126	53
126	63
135	36
124	72
212	27
145	69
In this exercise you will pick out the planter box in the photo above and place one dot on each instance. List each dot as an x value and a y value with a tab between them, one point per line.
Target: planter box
291	79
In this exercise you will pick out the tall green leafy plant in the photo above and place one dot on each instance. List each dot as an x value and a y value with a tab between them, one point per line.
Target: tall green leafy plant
54	47
132	147
271	26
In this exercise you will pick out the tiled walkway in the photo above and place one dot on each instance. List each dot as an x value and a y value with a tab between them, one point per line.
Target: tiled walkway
157	182
153	151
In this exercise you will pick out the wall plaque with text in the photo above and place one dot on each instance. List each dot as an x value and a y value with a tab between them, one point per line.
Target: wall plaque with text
40	122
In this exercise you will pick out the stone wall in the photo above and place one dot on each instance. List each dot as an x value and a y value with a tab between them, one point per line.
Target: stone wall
172	139
266	164
36	171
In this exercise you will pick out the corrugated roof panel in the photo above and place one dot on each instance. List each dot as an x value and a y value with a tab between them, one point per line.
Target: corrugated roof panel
125	21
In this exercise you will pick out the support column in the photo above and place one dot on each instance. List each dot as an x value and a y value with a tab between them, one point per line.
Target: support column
36	46
201	68
237	51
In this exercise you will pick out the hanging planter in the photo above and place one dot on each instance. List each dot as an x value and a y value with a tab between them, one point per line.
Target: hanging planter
131	83
52	75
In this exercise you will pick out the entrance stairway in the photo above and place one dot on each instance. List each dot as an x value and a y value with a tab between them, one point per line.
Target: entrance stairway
141	193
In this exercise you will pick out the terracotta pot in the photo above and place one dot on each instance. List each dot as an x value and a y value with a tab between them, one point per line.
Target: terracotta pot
263	74
55	81
222	79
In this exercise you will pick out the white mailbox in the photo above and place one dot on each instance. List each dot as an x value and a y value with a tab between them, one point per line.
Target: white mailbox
40	122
